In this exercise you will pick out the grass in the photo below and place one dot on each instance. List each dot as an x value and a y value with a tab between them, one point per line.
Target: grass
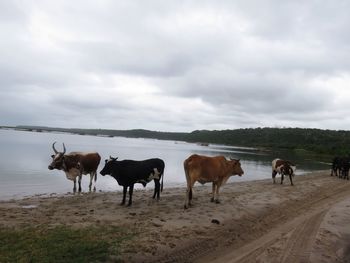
62	244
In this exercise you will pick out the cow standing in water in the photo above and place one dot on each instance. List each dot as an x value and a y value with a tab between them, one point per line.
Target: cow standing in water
129	172
206	169
75	164
283	168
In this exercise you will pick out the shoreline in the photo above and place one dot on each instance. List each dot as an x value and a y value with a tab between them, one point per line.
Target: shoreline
254	218
138	187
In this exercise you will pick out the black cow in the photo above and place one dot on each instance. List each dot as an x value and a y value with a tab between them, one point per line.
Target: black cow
336	166
129	172
340	167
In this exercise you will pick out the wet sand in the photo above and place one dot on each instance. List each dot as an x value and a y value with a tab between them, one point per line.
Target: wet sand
256	221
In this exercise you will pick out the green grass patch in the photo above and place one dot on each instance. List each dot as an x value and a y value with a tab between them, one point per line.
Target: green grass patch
62	244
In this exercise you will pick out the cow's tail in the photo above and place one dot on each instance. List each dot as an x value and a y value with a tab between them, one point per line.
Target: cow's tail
161	185
188	179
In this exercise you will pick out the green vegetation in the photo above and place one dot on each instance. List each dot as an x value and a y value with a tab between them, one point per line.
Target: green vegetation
312	140
61	244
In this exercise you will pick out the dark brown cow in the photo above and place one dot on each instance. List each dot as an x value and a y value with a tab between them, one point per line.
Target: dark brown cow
75	164
206	169
283	168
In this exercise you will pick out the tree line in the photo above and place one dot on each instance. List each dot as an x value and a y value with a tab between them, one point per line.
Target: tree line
314	140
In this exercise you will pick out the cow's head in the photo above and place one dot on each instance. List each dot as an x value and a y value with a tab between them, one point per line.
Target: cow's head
57	158
236	167
109	164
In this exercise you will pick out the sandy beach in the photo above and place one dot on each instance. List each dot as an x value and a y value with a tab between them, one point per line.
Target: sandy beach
256	221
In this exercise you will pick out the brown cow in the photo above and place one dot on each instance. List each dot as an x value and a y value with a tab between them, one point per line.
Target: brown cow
283	168
206	169
75	164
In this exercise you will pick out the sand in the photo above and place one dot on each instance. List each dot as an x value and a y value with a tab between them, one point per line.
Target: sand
256	221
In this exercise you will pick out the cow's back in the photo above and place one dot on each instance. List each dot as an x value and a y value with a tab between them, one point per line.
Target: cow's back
130	171
89	161
278	163
204	166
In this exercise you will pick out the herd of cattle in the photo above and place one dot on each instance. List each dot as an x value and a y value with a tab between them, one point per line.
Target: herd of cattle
198	168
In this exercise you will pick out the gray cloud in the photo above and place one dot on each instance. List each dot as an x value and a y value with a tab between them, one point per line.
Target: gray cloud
175	65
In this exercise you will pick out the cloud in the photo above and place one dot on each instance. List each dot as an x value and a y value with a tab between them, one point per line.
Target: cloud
175	66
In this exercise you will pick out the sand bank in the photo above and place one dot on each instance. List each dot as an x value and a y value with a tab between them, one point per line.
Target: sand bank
256	221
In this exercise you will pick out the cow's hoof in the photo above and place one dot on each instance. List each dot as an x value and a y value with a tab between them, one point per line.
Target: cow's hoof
129	205
217	201
212	199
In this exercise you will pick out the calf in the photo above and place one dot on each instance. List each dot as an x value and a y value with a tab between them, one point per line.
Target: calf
75	164
283	168
206	169
129	172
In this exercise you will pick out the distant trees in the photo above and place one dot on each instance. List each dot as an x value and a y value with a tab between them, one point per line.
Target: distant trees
313	140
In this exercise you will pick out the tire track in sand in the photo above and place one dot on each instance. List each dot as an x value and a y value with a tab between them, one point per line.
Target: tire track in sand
293	233
298	247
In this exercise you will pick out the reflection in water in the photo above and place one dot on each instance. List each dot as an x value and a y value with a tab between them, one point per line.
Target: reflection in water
24	157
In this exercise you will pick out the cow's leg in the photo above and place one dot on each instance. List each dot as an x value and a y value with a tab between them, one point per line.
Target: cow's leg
90	184
79	182
188	197
125	189
290	178
282	177
217	193
213	193
75	185
156	189
274	176
131	190
188	194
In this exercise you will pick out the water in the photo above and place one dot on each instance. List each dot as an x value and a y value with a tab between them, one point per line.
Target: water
24	157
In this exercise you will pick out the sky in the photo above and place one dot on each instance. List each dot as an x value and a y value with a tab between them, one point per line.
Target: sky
175	65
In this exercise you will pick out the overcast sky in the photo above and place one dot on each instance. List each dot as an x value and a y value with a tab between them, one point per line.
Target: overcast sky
175	65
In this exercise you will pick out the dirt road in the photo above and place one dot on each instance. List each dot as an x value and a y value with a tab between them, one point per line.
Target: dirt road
288	232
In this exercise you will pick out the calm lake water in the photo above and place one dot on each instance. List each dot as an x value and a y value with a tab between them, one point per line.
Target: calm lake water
24	157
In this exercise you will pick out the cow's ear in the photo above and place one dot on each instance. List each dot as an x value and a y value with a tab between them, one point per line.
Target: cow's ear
106	161
52	156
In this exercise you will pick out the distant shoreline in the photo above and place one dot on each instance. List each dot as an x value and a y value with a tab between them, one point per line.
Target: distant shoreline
304	141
